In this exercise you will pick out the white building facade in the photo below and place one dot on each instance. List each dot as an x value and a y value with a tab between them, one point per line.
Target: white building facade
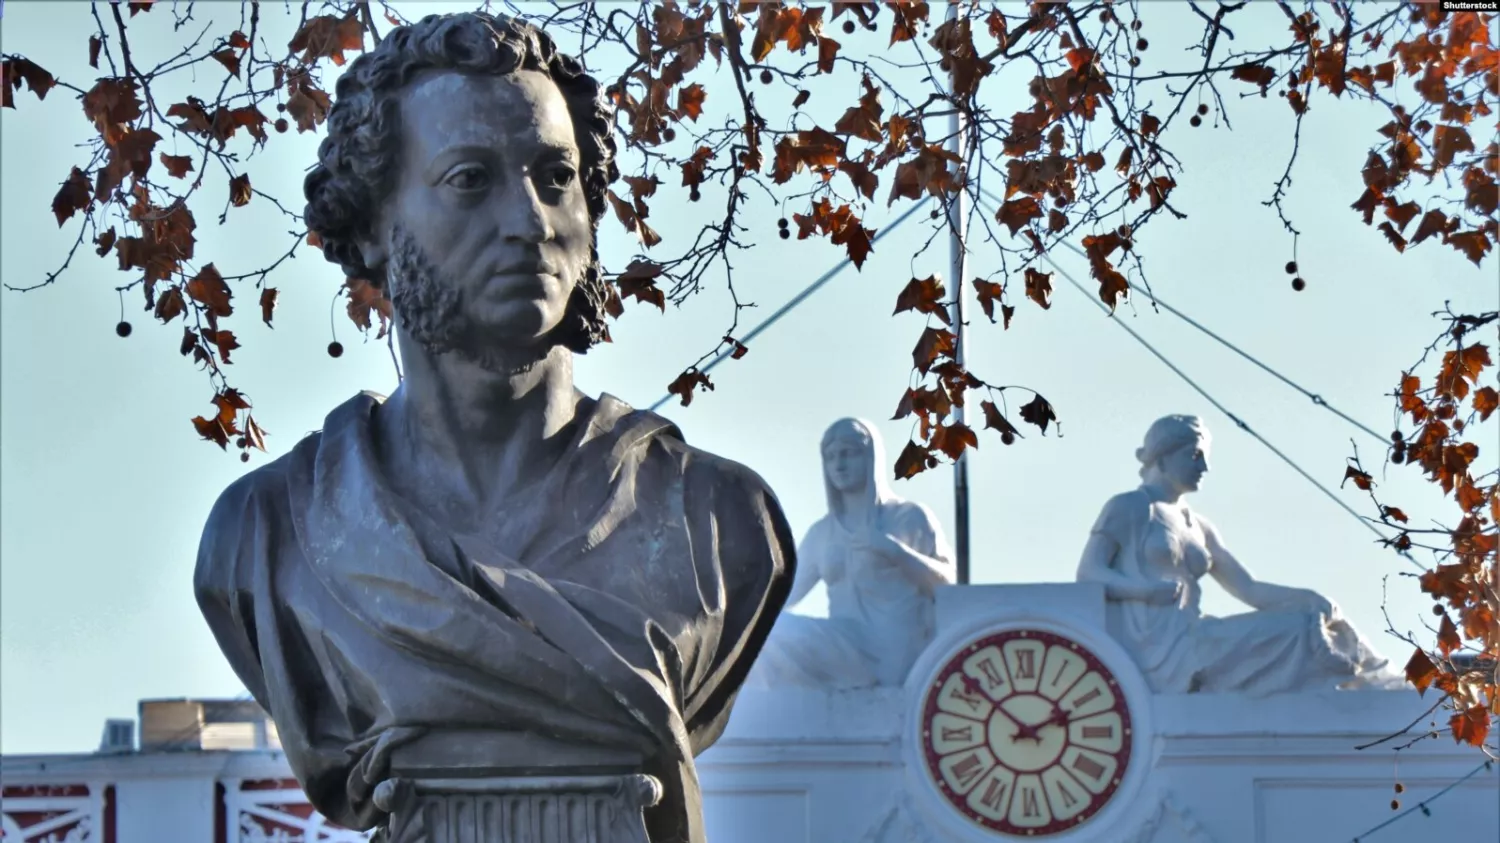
946	759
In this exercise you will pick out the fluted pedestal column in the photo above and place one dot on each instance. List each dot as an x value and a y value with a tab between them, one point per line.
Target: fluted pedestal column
504	787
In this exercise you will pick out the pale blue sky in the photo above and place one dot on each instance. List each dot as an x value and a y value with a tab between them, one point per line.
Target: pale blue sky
103	488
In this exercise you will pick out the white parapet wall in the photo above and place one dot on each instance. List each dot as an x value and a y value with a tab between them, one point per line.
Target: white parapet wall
857	766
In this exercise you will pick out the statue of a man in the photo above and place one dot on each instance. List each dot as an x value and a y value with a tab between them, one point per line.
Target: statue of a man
488	548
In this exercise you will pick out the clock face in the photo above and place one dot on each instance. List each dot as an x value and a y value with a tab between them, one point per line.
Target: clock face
1026	732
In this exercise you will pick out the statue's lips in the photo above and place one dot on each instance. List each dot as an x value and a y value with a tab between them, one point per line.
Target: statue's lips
522	283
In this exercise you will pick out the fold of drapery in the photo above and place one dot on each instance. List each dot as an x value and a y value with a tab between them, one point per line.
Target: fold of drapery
617	603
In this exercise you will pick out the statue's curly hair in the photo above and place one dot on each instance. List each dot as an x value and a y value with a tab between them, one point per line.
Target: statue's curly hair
358	160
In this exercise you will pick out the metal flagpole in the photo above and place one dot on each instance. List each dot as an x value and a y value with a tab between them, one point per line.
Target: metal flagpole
958	258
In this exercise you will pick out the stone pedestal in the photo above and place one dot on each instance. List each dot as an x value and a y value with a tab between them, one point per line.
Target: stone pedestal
499	787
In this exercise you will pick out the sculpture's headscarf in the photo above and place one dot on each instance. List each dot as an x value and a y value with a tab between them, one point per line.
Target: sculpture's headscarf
868	437
1166	435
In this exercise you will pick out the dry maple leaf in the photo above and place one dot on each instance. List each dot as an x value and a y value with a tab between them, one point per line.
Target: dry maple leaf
267	305
208	289
914	460
989	292
934	343
327	36
1039	412
178	166
686	383
1039	287
993	418
690	101
924	295
239	190
1361	480
75	195
1420	671
170	305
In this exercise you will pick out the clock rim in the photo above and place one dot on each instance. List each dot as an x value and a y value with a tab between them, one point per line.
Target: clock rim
949	665
1124	806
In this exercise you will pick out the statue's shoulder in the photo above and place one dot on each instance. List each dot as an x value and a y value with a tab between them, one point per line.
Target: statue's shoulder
1124	512
701	470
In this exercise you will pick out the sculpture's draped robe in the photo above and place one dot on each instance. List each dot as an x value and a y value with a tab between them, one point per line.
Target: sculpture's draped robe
618	603
879	621
1180	649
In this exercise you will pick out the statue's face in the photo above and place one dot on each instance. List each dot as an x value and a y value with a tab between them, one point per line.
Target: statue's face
846	461
488	217
1184	467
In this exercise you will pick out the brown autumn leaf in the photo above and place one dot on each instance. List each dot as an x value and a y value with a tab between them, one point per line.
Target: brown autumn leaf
15	70
934	343
1039	412
1420	671
1256	74
860	175
1486	401
75	195
231	61
828	50
224	341
239	190
309	107
267	305
801	99
1039	287
687	383
1447	637
1017	214
690	101
170	304
907	18
213	430
208	289
255	435
94	46
104	242
924	295
327	36
230	402
110	104
914	460
993	418
1361	480
739	349
1150	125
1393	236
989	292
178	166
953	439
638	281
1471	726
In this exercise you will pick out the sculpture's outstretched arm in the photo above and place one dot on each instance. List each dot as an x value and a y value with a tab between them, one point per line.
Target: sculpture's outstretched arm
1242	586
926	572
1097	566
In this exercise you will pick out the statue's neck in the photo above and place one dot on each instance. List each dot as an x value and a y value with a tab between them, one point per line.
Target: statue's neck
1161	492
473	432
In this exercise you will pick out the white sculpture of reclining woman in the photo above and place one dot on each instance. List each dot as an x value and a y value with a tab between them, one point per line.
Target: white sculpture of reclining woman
1151	552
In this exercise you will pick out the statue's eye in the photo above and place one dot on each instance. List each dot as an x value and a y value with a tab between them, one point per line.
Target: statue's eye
472	177
558	176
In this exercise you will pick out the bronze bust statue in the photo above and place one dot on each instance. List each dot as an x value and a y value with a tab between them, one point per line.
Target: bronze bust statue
488	551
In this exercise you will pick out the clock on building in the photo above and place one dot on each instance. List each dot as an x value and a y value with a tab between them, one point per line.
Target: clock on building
1025	732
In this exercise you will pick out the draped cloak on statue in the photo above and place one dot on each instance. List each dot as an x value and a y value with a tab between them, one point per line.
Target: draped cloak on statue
619	604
